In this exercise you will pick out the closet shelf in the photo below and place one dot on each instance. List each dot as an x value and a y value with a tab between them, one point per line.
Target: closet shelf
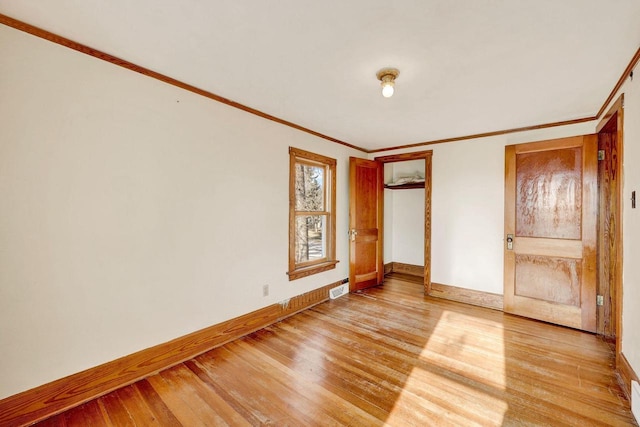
405	186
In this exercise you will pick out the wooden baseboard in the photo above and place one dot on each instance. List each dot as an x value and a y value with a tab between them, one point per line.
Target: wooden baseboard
438	290
388	268
399	267
49	399
625	374
467	296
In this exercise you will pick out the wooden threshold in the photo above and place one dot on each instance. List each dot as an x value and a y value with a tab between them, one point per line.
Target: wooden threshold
438	290
49	399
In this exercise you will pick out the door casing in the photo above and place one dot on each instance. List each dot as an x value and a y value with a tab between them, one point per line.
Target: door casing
427	156
610	251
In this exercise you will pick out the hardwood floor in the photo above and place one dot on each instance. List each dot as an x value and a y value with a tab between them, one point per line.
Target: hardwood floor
386	356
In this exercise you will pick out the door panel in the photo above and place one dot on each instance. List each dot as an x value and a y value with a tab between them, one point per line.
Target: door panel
365	223
549	278
550	215
549	193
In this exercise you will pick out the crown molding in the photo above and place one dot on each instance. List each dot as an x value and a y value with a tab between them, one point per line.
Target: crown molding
38	32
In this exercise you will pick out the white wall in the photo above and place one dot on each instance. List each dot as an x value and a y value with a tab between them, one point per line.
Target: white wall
468	206
133	212
407	234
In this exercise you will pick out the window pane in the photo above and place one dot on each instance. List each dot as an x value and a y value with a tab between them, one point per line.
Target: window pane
312	218
310	238
309	188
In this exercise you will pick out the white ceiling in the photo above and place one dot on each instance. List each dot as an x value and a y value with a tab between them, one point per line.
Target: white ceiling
466	66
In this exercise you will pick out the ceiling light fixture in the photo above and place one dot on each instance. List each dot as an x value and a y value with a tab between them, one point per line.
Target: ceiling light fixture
388	77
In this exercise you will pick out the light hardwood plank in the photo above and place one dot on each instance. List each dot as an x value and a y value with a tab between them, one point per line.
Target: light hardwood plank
118	414
388	355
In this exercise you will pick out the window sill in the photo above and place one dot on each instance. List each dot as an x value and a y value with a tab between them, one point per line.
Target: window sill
308	271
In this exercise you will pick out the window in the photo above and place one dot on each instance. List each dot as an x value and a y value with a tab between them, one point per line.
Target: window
312	215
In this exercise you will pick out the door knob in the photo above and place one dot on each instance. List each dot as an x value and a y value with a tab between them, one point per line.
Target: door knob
509	242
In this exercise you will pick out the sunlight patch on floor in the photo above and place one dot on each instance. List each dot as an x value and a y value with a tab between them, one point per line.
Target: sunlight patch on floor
465	371
478	355
437	404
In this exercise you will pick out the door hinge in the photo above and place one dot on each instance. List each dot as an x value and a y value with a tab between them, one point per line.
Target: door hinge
600	154
599	300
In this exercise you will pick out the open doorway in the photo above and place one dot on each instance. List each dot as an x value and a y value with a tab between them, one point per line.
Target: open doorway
405	173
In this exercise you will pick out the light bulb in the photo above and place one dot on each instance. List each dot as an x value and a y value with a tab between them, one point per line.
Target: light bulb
387	89
387	78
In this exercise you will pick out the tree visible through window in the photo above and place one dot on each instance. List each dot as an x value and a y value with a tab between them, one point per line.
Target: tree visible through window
311	213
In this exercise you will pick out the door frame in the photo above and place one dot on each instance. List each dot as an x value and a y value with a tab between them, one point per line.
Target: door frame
427	156
616	111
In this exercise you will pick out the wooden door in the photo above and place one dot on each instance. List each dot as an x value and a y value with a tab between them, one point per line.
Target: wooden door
550	231
365	223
